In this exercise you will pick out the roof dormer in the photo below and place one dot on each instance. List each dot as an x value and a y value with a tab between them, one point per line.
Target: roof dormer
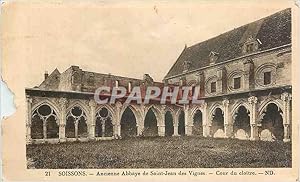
251	45
186	65
213	57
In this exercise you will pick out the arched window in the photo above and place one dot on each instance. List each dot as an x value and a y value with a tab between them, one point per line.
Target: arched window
76	125
104	126
44	123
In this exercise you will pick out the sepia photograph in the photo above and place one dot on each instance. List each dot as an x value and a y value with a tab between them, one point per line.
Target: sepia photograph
153	86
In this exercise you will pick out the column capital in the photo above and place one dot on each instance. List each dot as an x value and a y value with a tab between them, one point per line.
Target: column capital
62	102
118	104
285	96
225	102
92	103
252	100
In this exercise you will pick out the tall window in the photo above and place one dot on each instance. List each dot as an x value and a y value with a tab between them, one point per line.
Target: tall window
267	78
213	87
237	83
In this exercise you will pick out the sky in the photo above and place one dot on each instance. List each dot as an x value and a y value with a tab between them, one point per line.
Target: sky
122	39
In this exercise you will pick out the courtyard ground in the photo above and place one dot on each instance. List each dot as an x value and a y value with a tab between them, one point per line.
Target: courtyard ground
161	152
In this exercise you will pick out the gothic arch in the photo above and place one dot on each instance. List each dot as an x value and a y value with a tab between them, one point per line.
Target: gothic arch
79	104
104	121
172	111
129	121
136	111
213	108
156	112
110	109
237	105
76	125
265	103
177	115
44	121
195	109
48	102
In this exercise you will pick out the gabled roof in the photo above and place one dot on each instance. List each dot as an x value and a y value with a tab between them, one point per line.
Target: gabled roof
272	31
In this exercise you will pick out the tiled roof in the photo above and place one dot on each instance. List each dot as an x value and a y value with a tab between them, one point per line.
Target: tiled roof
272	31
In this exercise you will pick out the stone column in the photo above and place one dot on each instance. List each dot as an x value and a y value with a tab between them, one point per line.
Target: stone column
286	133
253	117
187	121
103	127
228	128
161	130
175	126
205	121
92	122
161	122
62	129
117	122
140	120
286	98
44	128
28	121
62	119
76	129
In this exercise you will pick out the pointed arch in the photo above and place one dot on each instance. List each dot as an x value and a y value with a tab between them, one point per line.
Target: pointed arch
151	121
266	102
80	104
213	108
271	123
216	120
76	125
157	112
129	121
172	111
104	121
136	111
237	105
110	109
44	120
195	109
48	102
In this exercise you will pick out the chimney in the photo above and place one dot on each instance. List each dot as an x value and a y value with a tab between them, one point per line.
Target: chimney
46	75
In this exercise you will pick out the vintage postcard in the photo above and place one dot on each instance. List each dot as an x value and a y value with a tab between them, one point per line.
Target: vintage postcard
151	90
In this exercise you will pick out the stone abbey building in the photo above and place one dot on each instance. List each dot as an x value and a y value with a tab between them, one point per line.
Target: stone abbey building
245	84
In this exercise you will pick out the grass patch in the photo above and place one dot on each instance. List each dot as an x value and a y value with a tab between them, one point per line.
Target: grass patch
161	152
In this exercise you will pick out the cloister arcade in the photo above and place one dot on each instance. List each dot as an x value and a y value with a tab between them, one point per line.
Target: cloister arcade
56	120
